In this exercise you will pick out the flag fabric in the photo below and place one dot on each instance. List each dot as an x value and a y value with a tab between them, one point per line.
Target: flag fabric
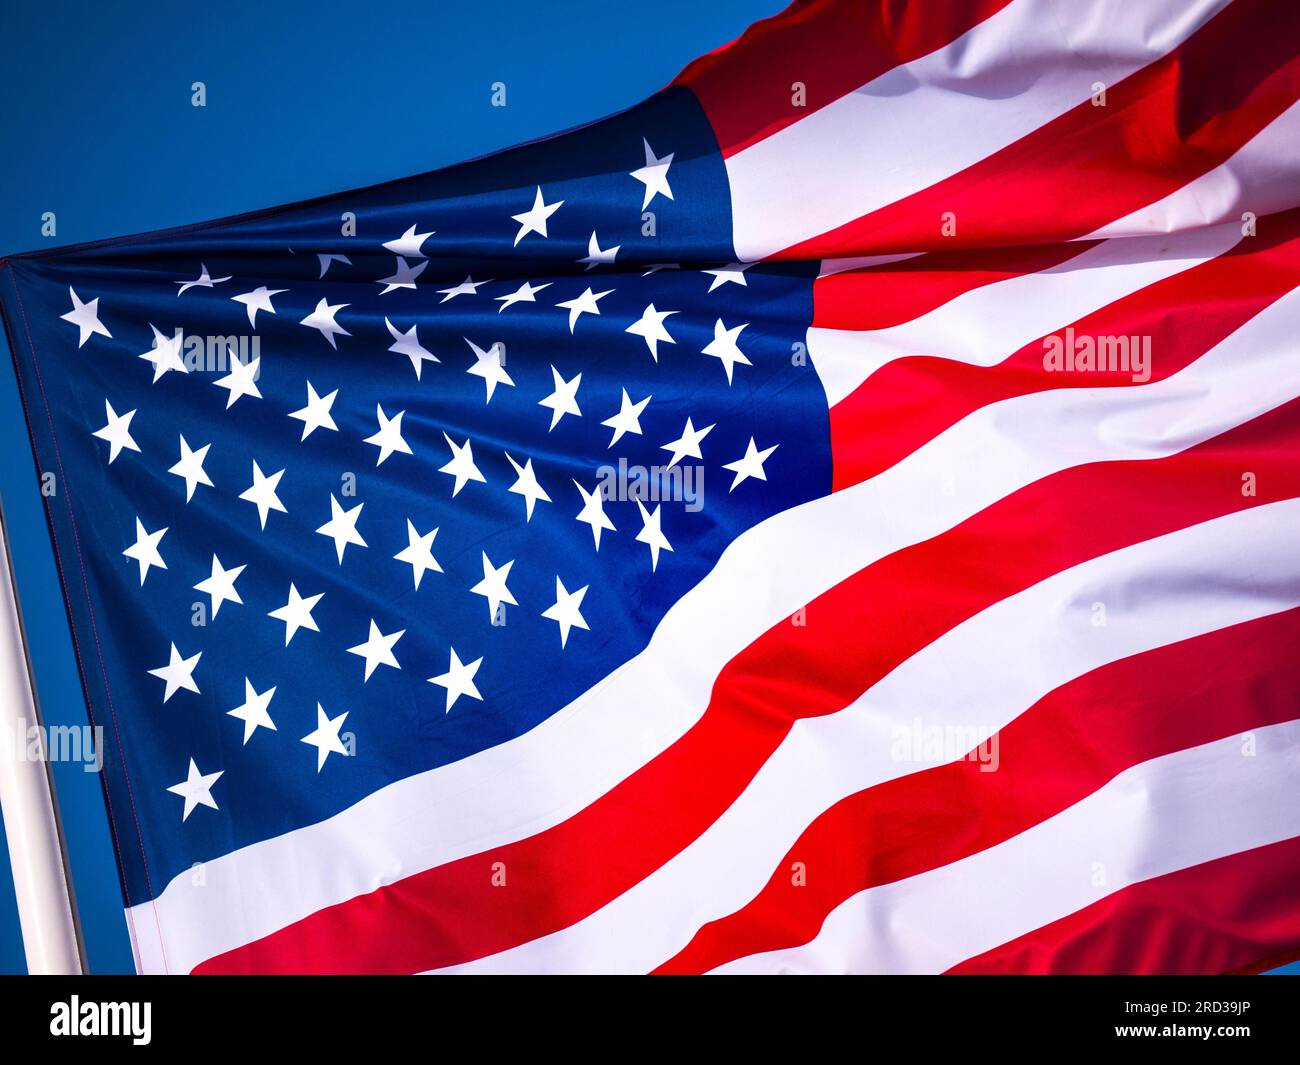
839	515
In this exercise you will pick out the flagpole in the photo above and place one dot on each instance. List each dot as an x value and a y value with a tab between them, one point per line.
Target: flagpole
46	906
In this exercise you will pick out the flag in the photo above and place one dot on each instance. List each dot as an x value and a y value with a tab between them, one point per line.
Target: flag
839	515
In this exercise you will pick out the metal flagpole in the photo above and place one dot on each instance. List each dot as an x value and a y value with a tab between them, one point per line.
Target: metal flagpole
46	907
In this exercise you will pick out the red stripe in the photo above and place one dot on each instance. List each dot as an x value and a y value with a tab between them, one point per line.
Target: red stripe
853	635
1161	127
1209	918
1263	965
830	46
877	297
909	401
1065	747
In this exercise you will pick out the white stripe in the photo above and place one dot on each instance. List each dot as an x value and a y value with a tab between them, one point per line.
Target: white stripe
975	679
861	262
539	779
1263	177
1170	813
986	325
929	119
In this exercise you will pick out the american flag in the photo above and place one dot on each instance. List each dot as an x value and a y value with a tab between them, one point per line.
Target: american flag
838	515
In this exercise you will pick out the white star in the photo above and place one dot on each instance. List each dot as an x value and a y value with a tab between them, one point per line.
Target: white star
654	175
565	610
735	274
327	260
468	287
221	585
534	219
490	365
145	549
525	293
723	347
403	277
378	649
165	353
342	527
628	418
652	534
687	445
258	300
117	432
750	464
241	380
316	415
263	494
196	790
322	318
593	512
461	465
459	680
418	553
296	613
253	711
650	326
409	244
202	281
584	304
85	316
389	437
527	485
564	400
598	256
190	467
408	344
493	586
178	673
325	737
